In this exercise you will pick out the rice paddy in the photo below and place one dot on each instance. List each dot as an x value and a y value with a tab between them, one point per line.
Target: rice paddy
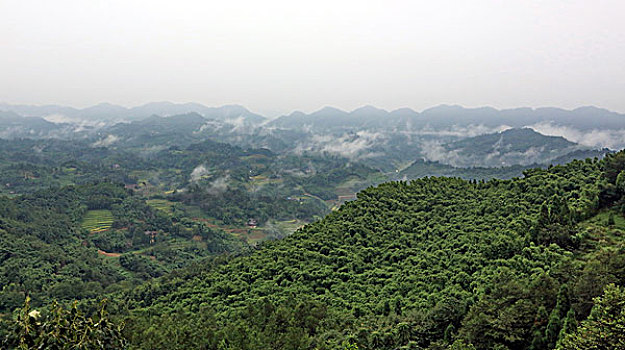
161	204
97	220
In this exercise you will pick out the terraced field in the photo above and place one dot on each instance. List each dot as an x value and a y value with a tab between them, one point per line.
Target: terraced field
97	220
161	204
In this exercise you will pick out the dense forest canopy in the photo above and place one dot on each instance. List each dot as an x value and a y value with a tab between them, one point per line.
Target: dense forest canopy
423	264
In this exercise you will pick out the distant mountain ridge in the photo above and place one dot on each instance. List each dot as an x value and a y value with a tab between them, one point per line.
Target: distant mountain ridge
584	118
110	112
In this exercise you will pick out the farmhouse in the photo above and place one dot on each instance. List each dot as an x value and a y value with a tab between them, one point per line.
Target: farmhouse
252	223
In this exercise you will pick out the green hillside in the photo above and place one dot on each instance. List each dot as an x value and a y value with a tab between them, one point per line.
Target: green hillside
510	147
434	263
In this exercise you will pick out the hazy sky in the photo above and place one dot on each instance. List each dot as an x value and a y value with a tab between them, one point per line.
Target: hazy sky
278	56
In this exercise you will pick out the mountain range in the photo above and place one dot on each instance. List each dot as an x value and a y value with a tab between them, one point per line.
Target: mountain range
111	112
450	135
584	118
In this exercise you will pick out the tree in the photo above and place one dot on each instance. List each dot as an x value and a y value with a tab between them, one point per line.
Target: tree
553	327
614	164
63	329
461	345
605	327
539	340
568	327
558	314
610	219
620	182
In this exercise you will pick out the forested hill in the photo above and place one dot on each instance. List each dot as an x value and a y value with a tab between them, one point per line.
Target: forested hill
513	146
436	263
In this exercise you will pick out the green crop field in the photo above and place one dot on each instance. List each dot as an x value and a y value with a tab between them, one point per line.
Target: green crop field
161	204
97	220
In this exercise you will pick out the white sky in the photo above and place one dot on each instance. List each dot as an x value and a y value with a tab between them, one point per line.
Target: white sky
275	56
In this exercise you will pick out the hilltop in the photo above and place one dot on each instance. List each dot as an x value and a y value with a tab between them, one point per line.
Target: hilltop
510	147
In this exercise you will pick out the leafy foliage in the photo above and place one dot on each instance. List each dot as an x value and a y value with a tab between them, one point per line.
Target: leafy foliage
60	328
605	328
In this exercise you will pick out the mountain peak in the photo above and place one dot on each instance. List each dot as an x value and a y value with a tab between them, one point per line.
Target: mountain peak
592	110
404	111
520	131
369	109
329	109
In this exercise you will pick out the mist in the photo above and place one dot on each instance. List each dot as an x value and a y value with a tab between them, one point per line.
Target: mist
597	138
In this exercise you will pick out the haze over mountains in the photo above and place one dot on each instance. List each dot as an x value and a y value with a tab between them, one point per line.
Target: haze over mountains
584	118
111	112
522	146
389	140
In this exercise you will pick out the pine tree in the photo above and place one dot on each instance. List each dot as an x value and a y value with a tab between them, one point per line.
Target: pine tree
558	314
553	328
568	326
449	333
539	340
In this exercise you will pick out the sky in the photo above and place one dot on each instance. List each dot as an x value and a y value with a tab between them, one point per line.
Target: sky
276	56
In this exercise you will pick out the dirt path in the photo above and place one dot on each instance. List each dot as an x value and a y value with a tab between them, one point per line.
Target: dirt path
111	255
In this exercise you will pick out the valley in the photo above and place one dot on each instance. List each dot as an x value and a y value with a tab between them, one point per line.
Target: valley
324	231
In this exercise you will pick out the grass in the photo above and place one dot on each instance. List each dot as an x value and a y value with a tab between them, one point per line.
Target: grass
161	204
97	220
255	236
287	227
195	212
254	157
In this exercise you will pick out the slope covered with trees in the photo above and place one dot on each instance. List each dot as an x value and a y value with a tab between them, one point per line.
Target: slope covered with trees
47	252
434	263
